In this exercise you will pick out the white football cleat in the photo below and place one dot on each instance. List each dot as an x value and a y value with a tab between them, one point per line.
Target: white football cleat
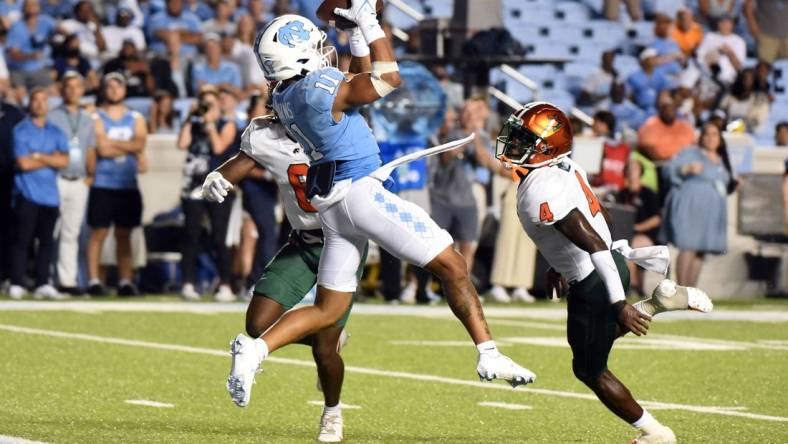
245	364
224	294
663	435
47	291
669	296
331	425
497	366
408	295
17	292
499	294
189	293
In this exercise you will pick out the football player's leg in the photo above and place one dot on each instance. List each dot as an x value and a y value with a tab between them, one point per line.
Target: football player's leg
407	231
592	328
331	371
336	283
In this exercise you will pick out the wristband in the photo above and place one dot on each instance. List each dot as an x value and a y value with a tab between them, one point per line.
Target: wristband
607	270
358	45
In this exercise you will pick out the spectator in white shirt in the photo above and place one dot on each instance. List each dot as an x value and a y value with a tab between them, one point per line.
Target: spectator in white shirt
723	50
123	30
87	27
596	86
222	23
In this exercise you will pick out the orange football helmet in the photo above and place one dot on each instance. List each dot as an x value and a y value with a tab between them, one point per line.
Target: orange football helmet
537	135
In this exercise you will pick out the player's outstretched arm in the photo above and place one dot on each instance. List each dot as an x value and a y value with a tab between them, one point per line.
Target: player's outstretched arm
219	182
383	77
579	230
360	60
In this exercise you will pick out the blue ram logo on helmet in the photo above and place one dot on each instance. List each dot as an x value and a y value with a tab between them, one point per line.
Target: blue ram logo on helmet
292	33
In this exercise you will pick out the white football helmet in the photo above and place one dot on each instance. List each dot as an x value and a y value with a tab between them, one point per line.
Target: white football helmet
289	46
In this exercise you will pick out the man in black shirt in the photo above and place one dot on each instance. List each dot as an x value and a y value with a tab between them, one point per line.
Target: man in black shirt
9	117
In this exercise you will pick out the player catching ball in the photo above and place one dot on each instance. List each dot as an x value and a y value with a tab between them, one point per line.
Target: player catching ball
319	107
293	271
567	223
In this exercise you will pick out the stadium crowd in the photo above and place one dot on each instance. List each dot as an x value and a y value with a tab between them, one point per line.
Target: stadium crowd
84	84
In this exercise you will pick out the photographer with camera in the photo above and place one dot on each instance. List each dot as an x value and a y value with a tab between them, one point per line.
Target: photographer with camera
205	135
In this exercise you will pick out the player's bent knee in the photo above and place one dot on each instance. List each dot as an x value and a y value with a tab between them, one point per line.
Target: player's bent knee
586	374
449	266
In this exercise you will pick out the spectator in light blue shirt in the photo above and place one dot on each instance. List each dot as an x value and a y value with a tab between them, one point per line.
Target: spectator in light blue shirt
28	54
216	70
669	55
627	114
40	148
200	9
175	23
646	84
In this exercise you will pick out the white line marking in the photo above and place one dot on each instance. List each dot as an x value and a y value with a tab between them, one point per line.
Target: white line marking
466	343
505	405
4	439
342	405
554	313
161	405
725	411
631	343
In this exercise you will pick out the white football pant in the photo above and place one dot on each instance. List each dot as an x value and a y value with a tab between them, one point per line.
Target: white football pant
369	211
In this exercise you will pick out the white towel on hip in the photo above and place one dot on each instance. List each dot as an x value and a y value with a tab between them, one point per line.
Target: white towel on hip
655	258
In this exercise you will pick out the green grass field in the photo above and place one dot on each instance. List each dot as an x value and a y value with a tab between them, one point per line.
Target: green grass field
66	376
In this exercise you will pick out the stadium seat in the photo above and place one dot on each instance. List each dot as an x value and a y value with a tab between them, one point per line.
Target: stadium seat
587	51
604	32
626	64
641	33
574	74
561	99
140	104
569	33
538	73
572	12
549	50
438	8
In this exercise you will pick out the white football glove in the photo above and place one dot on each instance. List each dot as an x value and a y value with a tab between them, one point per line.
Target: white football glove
215	187
362	13
358	45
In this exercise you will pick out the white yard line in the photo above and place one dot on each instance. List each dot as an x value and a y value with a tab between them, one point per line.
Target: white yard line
146	403
505	405
725	411
557	313
4	439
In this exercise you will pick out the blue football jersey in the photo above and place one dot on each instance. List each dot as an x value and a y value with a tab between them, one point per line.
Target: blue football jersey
304	108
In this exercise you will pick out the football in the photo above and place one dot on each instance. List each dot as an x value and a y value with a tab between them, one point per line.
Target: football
326	12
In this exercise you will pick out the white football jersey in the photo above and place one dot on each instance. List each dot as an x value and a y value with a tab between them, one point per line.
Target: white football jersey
265	141
547	195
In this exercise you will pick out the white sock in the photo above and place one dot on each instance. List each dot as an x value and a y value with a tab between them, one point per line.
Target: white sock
646	423
94	282
123	282
487	348
261	348
335	410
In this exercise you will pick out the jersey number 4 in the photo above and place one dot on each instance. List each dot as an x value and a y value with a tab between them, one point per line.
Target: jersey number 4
593	202
296	173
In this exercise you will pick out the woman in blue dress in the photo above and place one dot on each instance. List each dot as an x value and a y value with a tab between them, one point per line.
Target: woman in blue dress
696	210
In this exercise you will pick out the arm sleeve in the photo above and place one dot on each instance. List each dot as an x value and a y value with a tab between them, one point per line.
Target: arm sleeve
322	87
608	271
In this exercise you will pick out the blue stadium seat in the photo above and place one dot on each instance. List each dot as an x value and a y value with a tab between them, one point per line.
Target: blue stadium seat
626	64
140	104
570	33
574	74
438	8
641	33
572	12
603	32
561	99
549	50
538	73
587	51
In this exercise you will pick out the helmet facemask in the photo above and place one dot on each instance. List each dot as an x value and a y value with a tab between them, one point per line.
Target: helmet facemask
516	143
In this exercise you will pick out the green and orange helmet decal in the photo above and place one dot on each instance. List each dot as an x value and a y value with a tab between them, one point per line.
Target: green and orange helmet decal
537	135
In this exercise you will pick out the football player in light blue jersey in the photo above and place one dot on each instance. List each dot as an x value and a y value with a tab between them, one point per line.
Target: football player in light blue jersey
318	106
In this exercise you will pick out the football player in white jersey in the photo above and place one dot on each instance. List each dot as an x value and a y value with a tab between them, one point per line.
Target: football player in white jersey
293	271
562	215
